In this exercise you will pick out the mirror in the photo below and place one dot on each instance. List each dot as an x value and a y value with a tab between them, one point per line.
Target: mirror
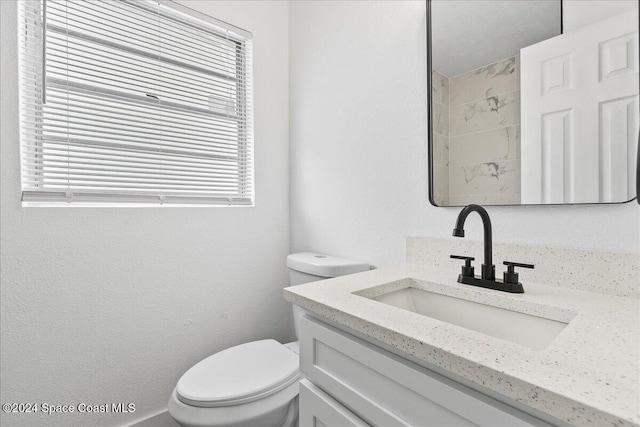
532	101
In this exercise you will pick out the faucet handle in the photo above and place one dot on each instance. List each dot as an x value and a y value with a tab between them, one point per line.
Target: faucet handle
467	269
510	276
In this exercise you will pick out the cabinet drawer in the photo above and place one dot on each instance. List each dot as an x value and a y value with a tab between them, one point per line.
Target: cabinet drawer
318	409
386	390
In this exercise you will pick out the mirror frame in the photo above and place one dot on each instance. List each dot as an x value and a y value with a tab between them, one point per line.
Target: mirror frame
430	156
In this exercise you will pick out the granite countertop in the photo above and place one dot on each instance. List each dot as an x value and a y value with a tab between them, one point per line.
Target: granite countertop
587	376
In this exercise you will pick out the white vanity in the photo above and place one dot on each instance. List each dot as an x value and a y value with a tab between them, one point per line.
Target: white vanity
344	372
408	345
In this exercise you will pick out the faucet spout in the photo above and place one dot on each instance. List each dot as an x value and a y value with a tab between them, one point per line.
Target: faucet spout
488	269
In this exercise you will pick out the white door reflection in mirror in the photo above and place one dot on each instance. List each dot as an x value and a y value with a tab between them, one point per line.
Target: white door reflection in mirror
580	114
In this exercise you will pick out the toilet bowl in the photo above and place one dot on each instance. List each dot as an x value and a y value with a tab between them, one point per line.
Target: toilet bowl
256	383
252	384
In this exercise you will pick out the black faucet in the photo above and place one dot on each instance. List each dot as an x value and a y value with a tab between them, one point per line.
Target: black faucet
488	269
488	278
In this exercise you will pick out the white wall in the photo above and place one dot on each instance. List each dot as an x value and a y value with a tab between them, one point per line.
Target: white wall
359	144
578	13
113	305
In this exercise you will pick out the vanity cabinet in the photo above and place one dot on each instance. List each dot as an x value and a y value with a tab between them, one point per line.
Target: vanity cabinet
351	382
318	409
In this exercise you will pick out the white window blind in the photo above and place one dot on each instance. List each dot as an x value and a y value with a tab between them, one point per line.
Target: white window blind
134	101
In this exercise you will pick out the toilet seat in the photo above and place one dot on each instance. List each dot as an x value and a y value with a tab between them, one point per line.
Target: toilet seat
239	375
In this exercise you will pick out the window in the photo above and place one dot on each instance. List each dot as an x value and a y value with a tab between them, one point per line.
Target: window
133	102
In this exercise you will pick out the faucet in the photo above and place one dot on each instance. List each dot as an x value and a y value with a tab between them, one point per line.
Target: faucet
488	269
488	280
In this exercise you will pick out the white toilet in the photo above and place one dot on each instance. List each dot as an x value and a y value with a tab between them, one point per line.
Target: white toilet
253	384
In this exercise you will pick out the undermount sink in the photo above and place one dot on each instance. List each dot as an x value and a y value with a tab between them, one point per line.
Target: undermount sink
520	328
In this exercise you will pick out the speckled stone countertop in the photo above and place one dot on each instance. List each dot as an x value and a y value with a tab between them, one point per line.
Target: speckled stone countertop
589	375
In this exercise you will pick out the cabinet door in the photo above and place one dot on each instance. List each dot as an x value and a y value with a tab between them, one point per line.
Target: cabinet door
387	391
318	409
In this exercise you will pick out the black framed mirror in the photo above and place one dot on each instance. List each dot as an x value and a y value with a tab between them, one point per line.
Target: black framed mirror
532	101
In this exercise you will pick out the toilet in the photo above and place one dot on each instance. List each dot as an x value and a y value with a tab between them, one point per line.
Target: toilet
256	383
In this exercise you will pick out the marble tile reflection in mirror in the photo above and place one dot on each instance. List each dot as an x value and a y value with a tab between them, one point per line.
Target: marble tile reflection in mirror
476	107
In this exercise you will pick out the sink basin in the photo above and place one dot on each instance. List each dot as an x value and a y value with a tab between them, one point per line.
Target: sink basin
519	328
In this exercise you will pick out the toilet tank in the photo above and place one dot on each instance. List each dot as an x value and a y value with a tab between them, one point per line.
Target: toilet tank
305	267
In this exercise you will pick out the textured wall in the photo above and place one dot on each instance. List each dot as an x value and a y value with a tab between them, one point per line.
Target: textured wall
359	151
105	305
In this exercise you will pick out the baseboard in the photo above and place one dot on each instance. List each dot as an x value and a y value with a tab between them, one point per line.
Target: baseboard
163	419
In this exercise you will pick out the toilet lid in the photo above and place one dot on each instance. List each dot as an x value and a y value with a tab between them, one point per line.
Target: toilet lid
239	374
